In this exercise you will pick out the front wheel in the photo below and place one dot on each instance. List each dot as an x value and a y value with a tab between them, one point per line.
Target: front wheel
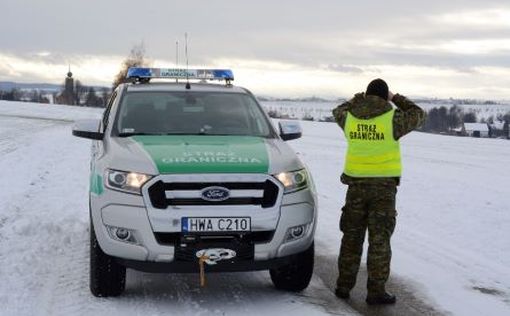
295	276
107	277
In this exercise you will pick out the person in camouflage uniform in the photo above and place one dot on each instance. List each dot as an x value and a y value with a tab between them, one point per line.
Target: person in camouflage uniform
370	200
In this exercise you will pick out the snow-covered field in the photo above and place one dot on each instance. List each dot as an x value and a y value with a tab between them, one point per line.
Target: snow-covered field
451	246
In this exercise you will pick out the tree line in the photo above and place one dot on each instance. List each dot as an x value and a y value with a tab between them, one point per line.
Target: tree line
90	96
82	96
16	94
445	120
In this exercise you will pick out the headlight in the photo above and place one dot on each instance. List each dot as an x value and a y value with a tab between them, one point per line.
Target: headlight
130	182
293	181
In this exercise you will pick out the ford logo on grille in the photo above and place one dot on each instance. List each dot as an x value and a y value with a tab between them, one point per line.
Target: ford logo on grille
215	194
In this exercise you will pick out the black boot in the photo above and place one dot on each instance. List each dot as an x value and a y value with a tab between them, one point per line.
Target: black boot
381	299
342	293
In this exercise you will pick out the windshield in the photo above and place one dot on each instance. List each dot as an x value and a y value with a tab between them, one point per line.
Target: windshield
191	113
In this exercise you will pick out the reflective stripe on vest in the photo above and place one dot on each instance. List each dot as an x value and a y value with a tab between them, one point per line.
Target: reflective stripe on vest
372	151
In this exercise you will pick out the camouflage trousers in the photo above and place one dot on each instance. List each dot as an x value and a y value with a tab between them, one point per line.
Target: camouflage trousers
372	207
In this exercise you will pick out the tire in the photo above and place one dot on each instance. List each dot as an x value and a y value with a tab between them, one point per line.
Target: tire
107	277
295	276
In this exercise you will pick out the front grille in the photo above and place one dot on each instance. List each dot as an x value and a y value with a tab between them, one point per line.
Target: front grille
188	252
164	194
186	246
172	239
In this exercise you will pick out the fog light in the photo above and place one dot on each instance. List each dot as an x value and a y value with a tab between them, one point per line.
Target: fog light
296	232
122	233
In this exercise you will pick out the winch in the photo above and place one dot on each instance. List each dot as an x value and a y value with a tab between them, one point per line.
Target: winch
211	257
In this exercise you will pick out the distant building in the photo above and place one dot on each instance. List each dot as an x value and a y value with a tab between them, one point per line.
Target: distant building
68	96
499	129
476	129
329	118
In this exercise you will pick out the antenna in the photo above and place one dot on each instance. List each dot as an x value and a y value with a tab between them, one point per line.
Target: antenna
188	86
177	57
177	54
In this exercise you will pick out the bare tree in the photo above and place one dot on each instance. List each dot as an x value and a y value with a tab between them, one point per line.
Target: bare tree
13	95
506	126
91	98
80	91
35	96
470	117
136	58
454	117
105	95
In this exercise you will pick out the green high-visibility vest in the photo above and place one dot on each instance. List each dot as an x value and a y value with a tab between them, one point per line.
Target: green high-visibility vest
372	150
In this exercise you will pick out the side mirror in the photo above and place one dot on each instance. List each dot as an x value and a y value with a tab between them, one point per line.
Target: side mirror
290	130
87	129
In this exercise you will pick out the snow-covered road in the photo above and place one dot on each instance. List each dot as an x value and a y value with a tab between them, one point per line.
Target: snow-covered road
451	246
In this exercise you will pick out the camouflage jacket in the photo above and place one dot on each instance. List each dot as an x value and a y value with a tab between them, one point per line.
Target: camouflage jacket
408	117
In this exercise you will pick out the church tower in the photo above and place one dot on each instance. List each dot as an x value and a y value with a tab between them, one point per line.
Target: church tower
68	94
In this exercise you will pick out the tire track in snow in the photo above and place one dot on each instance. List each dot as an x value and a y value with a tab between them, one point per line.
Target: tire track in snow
67	292
247	293
17	133
40	225
450	258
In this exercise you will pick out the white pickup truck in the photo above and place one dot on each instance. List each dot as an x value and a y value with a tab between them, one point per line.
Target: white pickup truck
189	171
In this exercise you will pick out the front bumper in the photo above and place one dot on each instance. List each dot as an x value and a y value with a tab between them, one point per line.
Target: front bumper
186	267
117	209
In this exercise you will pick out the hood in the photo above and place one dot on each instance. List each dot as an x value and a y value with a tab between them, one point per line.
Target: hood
368	106
282	157
178	154
123	153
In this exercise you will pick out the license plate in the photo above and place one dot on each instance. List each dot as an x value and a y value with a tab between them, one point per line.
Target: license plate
216	224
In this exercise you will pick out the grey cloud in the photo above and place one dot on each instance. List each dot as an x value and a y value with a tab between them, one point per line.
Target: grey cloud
102	27
344	69
307	33
51	58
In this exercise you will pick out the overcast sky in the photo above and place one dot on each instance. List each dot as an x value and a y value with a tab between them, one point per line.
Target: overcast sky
433	48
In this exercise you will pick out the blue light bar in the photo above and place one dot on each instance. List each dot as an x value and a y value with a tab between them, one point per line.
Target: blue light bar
176	73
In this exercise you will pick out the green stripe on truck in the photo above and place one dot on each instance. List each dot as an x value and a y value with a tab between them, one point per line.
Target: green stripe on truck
96	184
178	154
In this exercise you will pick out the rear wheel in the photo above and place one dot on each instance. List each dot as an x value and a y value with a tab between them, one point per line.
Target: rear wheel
107	277
295	276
